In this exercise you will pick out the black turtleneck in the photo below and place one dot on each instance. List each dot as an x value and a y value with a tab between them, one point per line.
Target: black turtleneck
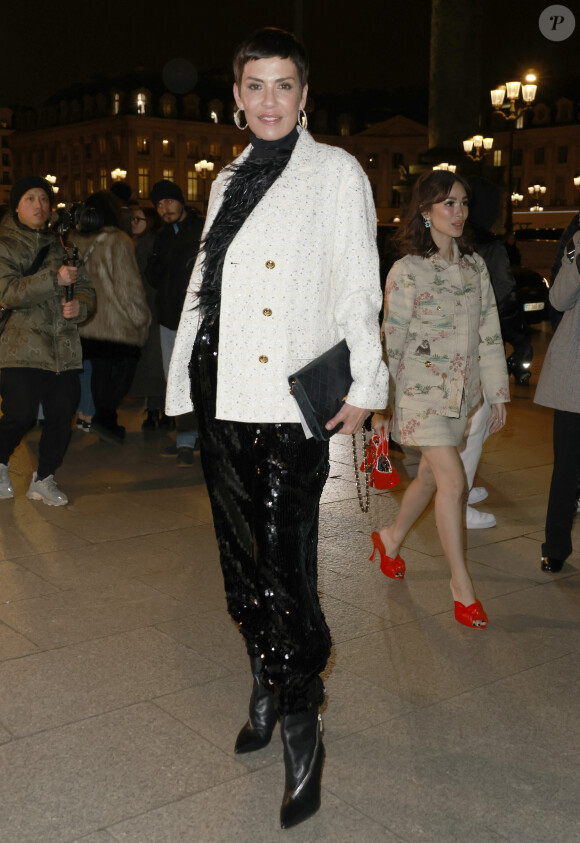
250	181
270	148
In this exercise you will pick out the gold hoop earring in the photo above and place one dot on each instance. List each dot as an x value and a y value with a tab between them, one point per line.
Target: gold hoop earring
237	119
302	119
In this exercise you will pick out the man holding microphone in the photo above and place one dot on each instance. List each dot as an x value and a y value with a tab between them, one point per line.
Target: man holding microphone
40	350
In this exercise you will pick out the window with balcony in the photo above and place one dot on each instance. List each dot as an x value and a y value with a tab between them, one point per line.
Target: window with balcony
193	187
168	148
168	174
215	150
103	178
237	149
102	146
168	105
143	146
143	181
497	157
191	149
116	102
559	191
142	102
191	106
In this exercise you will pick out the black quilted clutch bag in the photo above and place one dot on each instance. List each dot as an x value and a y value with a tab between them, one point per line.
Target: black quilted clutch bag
321	387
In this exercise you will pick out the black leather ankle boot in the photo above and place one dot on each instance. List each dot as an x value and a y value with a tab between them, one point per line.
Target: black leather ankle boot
303	760
256	733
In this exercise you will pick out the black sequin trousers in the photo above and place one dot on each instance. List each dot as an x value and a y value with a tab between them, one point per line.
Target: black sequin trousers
265	483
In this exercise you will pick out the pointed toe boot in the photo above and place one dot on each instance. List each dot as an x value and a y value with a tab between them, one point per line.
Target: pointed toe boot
303	760
257	732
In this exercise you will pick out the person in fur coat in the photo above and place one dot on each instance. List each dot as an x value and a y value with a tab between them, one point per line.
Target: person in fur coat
112	338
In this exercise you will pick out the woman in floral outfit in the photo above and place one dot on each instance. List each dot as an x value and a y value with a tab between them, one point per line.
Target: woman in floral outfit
443	340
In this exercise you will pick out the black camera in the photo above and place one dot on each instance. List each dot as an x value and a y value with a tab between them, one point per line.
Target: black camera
85	219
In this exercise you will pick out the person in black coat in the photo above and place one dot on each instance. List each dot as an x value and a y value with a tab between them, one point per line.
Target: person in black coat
168	270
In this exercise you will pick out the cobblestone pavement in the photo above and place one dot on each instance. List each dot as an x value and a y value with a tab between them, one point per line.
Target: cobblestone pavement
123	683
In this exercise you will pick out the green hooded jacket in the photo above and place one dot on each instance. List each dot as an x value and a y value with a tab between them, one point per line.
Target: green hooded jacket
37	335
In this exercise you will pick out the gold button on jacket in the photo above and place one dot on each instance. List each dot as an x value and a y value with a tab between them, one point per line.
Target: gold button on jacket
270	264
267	311
263	358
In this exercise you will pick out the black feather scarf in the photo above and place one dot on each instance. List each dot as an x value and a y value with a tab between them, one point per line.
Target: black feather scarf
249	183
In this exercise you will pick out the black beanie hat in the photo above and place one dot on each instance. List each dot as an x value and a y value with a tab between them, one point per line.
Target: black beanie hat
121	190
166	189
20	187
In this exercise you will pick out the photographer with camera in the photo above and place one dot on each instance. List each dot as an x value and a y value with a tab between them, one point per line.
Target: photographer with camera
40	350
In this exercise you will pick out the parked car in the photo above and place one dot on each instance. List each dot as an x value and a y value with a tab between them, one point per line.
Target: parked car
532	291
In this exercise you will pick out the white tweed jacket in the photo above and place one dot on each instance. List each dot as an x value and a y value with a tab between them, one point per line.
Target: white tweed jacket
300	275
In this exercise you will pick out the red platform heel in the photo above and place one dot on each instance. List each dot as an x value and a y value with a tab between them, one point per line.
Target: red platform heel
393	568
473	615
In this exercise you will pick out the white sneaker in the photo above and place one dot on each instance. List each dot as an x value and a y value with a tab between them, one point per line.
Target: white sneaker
477	520
46	490
6	490
476	495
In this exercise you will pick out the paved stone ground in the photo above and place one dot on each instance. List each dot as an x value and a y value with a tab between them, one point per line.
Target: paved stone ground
123	683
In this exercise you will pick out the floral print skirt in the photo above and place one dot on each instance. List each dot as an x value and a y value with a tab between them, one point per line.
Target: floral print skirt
425	427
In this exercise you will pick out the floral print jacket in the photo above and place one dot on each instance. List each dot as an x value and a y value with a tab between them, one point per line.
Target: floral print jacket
442	334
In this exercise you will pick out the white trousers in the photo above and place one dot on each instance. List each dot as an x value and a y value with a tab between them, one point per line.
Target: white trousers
477	432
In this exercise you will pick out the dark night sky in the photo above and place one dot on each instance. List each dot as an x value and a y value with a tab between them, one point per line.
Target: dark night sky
366	44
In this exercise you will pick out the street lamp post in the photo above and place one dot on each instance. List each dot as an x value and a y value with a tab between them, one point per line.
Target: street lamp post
480	144
512	91
202	168
52	182
537	190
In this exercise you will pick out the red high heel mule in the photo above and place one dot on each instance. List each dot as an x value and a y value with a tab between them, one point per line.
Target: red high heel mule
393	568
472	615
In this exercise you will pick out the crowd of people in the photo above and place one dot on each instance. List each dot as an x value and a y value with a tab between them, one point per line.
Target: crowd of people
206	319
127	267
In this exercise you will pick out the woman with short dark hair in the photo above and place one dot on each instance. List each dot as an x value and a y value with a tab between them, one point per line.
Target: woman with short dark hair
289	267
442	339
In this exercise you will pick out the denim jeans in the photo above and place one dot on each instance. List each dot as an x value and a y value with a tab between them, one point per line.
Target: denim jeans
188	437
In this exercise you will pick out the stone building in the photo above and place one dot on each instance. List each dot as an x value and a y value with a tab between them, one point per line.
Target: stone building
136	127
